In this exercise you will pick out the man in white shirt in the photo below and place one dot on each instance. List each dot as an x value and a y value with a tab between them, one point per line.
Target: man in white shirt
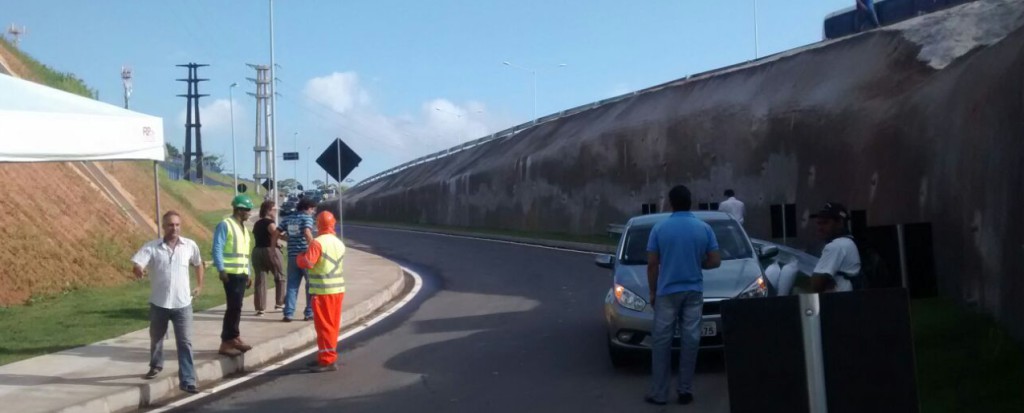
839	265
732	206
166	261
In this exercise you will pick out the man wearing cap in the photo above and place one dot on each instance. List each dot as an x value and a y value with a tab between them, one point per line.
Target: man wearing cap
231	245
327	288
838	268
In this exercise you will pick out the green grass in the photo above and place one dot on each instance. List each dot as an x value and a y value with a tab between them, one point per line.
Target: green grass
965	361
82	315
50	77
552	236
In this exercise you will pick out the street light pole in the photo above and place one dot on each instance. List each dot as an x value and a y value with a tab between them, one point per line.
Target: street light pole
308	148
295	146
534	74
234	162
756	51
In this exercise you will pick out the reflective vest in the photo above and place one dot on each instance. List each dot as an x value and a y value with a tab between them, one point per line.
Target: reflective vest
236	249
325	277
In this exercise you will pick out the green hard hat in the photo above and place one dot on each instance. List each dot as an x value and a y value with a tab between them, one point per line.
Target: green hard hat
241	201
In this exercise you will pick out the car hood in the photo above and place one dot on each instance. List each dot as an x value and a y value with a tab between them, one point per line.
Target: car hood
726	281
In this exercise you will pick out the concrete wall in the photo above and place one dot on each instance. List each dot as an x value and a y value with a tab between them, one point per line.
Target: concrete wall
878	121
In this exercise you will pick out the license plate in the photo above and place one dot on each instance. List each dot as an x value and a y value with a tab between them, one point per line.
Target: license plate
708	329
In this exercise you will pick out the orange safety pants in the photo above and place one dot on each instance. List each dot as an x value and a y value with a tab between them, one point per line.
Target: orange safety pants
327	320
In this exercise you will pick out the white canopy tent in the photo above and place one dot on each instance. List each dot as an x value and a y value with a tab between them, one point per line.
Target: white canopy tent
42	124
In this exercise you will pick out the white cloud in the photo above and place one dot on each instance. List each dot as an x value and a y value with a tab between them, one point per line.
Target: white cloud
215	116
439	124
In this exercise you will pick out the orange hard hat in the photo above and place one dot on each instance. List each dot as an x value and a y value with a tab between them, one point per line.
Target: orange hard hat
325	222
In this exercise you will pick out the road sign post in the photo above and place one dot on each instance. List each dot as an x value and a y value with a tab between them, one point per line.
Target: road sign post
338	160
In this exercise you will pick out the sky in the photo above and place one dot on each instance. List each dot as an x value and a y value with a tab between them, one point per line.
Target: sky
393	79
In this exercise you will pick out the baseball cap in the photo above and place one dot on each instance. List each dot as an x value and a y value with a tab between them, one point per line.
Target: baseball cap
832	210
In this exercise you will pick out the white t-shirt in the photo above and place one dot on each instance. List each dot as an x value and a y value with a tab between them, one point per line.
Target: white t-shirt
168	271
734	207
840	256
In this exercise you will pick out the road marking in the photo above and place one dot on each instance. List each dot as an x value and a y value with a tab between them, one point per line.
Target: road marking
479	239
417	285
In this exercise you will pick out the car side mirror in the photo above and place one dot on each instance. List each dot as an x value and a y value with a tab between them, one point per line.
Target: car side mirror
767	251
605	261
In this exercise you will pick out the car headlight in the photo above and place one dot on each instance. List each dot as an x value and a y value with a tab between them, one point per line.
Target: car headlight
758	288
629	299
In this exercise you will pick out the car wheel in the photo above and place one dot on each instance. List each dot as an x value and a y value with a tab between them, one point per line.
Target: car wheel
619	356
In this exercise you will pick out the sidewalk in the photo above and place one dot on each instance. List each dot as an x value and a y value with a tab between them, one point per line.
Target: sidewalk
107	376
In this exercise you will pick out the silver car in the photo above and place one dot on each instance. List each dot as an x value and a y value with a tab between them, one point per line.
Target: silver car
627	313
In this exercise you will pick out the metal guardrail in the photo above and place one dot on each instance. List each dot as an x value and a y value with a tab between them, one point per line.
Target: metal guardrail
510	132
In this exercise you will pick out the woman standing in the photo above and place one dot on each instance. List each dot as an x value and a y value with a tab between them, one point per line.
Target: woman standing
266	258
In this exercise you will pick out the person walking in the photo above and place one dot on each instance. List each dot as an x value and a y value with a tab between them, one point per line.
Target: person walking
732	206
166	261
266	258
678	249
839	267
300	235
323	259
232	242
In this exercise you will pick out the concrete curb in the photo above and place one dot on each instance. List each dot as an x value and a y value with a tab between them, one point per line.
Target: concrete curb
580	246
208	372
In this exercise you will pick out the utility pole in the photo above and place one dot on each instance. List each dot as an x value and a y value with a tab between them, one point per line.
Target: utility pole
16	33
234	162
263	150
192	107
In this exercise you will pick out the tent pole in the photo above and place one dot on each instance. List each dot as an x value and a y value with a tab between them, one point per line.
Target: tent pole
156	190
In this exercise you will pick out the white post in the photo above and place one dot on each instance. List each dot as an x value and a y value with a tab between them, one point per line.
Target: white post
814	361
234	162
904	276
156	189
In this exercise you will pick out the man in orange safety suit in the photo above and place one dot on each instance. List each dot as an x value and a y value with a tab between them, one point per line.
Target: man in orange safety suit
327	289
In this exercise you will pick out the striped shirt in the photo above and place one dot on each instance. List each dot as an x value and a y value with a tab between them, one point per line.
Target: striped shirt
297	224
168	271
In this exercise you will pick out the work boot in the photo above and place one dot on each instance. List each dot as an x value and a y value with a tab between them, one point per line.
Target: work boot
228	349
240	345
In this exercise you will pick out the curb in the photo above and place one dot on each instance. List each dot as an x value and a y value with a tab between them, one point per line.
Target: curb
208	372
579	246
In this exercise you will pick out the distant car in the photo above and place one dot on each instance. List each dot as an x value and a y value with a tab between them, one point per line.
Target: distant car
629	316
288	208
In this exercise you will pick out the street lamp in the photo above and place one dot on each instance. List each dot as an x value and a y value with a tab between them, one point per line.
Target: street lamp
308	148
231	104
534	74
295	146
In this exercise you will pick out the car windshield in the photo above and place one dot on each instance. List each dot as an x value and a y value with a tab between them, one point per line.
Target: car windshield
732	243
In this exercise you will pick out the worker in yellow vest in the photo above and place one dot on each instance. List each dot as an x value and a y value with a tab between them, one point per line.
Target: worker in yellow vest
327	288
232	242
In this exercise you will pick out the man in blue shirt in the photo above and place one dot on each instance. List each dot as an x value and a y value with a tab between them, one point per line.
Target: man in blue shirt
678	250
301	231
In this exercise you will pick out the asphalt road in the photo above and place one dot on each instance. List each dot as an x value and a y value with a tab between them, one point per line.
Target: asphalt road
496	328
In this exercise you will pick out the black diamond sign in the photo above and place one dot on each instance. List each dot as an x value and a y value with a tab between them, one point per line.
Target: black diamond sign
329	160
268	184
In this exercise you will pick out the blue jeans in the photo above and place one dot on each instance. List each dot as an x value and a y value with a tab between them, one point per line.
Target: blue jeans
684	308
181	319
295	277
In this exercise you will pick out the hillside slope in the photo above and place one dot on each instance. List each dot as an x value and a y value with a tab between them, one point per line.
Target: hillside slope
71	225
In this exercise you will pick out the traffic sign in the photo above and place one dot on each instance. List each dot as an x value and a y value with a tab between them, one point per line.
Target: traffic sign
300	187
290	156
268	184
338	151
242	188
